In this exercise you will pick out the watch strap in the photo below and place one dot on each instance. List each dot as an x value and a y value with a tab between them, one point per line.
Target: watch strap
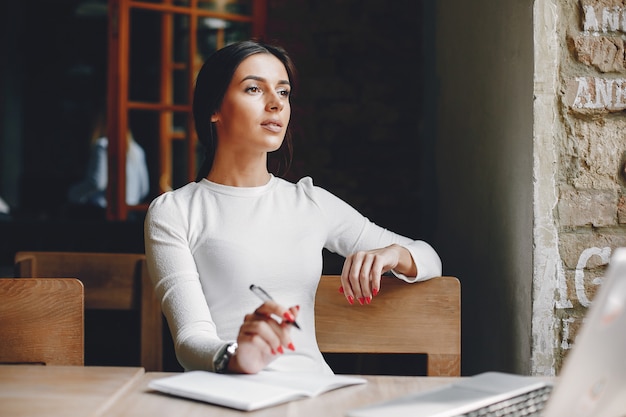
221	360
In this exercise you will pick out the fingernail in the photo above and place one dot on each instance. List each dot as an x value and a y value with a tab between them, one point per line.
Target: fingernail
361	300
298	308
273	352
289	317
375	291
280	350
340	290
291	346
368	299
351	299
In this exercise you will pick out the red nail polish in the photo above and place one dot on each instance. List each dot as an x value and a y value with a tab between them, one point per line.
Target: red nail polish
289	317
340	290
375	291
291	346
361	300
280	350
298	308
351	299
368	299
273	352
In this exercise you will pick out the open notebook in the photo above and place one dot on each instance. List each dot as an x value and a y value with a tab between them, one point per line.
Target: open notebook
592	382
250	392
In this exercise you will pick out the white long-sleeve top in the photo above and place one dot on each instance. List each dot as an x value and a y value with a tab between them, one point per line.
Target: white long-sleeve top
206	243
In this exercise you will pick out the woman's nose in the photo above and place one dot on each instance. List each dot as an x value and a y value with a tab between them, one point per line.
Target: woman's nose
275	103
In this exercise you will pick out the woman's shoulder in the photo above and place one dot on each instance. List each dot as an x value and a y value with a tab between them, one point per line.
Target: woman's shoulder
312	191
304	183
175	198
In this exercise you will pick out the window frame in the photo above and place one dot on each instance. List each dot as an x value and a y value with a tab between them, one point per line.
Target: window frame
119	104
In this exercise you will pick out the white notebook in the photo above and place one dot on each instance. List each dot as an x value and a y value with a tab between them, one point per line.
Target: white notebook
250	392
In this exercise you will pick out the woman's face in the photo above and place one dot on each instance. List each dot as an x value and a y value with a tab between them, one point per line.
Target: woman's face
255	110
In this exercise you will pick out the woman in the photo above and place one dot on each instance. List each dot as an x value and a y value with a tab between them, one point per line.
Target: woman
239	225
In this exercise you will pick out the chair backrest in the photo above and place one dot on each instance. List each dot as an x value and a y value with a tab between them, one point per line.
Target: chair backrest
113	281
422	318
41	321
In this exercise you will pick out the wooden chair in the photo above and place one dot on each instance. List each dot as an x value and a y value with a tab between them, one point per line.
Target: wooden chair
41	321
419	318
113	281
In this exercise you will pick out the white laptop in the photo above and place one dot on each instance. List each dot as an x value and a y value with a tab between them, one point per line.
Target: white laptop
592	382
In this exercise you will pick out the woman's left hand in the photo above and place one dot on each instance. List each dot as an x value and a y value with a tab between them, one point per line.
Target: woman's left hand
360	277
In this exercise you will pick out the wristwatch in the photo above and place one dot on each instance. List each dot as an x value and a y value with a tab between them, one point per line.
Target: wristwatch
220	363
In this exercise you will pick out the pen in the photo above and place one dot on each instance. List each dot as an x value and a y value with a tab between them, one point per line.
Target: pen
263	295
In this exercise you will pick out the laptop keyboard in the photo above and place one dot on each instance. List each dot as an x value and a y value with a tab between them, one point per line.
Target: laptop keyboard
526	405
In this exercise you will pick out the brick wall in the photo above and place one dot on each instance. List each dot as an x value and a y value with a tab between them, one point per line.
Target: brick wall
591	180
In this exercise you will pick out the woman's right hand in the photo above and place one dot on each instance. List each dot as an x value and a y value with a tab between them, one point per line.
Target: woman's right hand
261	338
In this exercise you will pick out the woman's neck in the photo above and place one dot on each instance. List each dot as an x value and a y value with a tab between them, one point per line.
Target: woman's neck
247	177
239	169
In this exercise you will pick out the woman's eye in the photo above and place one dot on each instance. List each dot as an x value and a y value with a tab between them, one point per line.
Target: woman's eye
284	93
253	89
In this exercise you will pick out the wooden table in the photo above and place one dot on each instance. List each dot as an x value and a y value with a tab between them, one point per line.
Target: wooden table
64	391
68	391
143	402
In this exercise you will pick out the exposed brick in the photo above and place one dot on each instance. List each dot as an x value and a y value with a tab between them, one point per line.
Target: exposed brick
603	16
587	207
572	245
594	157
595	94
605	53
591	278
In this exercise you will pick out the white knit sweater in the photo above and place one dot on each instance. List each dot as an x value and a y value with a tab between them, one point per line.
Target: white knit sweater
207	242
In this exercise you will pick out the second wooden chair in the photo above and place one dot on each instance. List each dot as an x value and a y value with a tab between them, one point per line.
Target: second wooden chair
113	281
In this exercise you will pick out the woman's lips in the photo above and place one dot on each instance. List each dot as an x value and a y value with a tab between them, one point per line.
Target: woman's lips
272	126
